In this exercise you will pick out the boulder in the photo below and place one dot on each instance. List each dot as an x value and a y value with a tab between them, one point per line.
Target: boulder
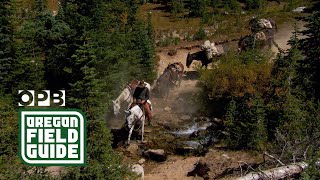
141	161
190	147
200	169
133	149
155	154
138	169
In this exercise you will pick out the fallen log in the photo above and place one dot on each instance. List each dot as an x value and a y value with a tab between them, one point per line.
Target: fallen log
276	173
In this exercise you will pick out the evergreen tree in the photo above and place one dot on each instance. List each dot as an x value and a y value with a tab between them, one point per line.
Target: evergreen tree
310	66
42	52
7	54
177	7
100	57
245	123
284	71
231	5
84	93
285	82
198	7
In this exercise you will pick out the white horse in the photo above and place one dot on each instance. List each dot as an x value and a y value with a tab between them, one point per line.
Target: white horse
135	116
125	96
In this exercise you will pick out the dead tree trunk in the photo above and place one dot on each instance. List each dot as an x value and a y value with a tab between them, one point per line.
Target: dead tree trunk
276	173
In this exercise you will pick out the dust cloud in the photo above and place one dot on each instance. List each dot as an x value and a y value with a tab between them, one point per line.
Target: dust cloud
284	34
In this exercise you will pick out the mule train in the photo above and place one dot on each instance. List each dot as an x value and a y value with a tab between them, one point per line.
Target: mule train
262	36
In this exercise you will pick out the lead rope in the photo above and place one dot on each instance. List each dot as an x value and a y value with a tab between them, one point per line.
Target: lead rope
140	120
131	92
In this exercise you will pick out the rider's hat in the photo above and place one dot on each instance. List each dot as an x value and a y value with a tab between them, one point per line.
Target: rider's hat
141	83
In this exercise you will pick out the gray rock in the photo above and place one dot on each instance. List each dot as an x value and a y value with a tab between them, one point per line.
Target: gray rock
155	154
133	148
200	169
299	9
138	169
141	161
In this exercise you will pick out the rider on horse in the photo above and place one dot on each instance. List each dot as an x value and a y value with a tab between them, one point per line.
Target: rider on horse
140	96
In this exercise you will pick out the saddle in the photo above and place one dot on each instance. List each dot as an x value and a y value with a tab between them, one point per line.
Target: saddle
141	106
260	36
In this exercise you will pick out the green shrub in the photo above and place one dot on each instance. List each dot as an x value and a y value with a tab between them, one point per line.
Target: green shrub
246	123
200	34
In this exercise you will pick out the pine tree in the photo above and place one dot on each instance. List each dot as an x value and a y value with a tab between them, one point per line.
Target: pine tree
284	72
259	134
285	83
198	7
310	66
246	123
7	54
84	93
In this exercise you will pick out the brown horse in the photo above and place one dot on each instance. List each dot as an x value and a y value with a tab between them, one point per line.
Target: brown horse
163	84
177	72
169	79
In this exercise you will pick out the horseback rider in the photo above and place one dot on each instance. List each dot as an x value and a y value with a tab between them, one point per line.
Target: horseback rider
140	96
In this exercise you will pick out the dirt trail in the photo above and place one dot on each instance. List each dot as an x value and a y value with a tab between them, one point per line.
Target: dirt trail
284	34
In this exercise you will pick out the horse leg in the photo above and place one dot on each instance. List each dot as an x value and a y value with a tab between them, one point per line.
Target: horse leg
130	132
142	129
270	43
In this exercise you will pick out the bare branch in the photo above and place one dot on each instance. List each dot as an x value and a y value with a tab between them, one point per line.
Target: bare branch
278	160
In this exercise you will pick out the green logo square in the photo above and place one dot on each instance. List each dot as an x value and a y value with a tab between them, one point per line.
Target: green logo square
52	137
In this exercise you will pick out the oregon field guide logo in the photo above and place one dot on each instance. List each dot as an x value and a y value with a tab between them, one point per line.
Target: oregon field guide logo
52	137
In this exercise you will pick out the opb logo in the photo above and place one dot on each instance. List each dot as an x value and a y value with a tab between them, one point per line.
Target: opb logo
52	137
41	98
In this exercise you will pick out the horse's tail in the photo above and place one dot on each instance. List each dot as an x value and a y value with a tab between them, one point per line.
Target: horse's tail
239	43
187	59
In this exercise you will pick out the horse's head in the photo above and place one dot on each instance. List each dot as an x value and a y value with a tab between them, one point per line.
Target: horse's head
116	107
189	60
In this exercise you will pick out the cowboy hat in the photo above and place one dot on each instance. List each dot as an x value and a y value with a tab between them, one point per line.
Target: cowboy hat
141	83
